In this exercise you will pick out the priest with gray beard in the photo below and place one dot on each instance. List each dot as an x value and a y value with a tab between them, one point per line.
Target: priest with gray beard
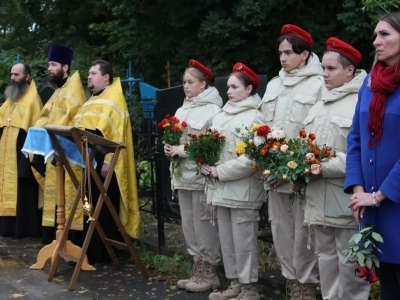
19	212
18	84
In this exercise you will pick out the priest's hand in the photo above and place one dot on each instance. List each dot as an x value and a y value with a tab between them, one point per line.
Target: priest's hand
104	169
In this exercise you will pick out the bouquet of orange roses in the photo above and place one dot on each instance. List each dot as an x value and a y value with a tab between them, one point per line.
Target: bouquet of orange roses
205	149
364	242
173	129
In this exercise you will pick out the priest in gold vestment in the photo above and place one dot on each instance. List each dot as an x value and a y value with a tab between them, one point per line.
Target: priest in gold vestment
106	114
19	213
60	109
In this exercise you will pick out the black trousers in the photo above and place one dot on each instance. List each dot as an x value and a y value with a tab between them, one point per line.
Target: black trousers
390	281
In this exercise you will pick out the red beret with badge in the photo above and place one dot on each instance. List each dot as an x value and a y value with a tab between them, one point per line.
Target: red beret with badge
348	51
202	68
297	31
242	68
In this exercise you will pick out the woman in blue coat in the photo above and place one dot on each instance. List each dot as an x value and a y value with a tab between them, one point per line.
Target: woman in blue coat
373	158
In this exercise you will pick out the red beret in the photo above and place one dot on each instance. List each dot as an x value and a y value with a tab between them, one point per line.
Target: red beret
195	64
242	68
297	31
348	51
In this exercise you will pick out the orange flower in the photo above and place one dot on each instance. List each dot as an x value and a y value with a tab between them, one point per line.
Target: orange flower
327	151
312	136
255	168
303	133
276	143
215	135
264	150
317	151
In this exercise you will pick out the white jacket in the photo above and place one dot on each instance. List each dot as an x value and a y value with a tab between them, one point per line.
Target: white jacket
330	120
289	97
238	185
198	112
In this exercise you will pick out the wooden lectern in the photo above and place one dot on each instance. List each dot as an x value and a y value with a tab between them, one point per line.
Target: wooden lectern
97	144
68	247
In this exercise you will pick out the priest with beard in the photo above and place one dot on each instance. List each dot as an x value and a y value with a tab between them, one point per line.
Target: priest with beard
60	109
106	114
19	213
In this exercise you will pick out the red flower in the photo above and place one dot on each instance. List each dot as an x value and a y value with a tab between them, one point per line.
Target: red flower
373	277
200	160
312	136
317	151
175	128
201	136
263	130
160	125
184	124
174	119
216	135
303	133
363	272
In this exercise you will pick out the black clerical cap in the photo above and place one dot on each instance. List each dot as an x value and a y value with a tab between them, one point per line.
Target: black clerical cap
61	54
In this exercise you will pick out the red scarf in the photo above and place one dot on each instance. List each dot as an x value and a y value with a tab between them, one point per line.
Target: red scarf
384	81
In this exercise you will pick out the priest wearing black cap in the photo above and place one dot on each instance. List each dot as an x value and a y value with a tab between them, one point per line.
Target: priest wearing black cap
59	110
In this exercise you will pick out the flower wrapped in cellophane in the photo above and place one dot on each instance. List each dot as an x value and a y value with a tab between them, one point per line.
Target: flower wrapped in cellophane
173	129
362	249
205	149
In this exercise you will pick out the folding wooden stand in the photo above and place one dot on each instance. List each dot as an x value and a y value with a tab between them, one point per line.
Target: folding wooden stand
104	146
68	247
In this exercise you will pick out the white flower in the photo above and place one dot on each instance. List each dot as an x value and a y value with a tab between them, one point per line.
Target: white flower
258	140
284	148
276	133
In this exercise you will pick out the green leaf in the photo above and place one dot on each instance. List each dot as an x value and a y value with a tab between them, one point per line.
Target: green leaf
347	257
360	258
377	237
368	262
365	229
357	238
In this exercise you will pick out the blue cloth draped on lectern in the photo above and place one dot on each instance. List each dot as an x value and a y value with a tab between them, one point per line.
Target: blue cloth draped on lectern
38	142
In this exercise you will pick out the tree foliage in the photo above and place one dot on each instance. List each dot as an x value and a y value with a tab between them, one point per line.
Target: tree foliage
151	33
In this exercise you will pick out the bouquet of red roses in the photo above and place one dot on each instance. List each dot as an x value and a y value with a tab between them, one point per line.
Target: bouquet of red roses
362	249
205	149
173	129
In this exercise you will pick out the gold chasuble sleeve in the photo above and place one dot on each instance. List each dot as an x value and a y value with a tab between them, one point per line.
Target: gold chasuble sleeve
14	116
60	110
108	113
